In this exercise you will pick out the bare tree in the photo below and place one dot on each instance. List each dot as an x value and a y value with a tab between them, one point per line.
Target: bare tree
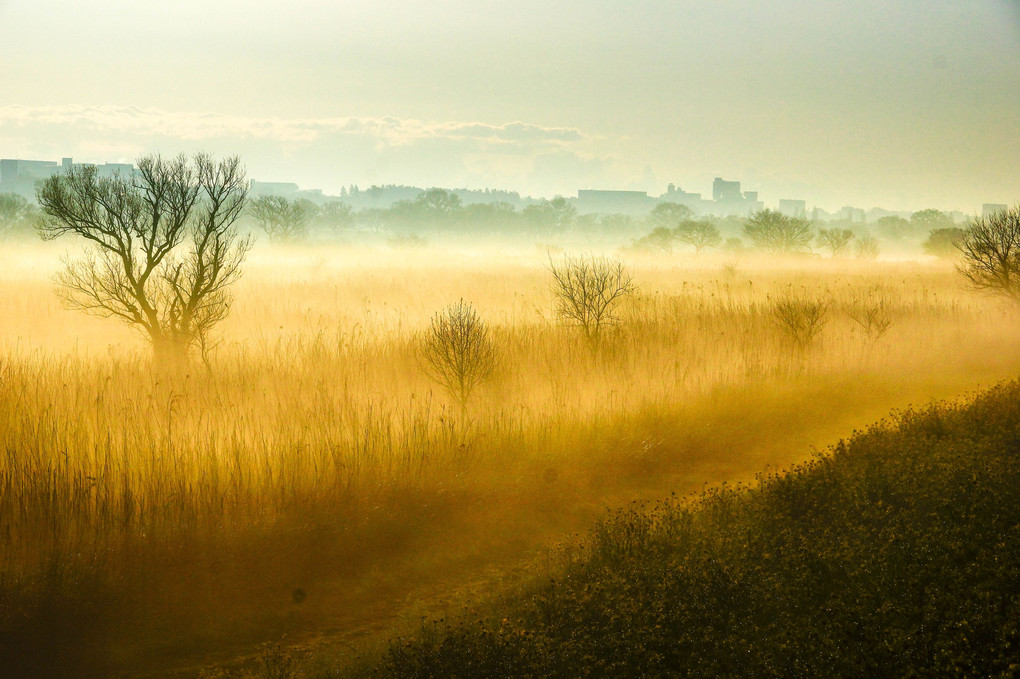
872	316
588	291
800	319
777	233
458	351
991	253
866	247
837	240
701	234
283	220
163	247
336	216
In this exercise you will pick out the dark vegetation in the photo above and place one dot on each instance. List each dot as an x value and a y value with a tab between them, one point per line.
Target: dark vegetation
896	553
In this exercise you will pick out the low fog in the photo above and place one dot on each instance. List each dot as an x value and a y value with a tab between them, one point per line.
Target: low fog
553	339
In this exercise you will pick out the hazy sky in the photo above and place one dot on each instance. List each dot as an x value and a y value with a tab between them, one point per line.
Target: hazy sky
897	103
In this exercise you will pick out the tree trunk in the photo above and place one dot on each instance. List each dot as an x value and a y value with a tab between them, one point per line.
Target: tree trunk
169	352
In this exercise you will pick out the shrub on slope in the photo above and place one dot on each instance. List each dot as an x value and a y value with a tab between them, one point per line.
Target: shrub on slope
897	553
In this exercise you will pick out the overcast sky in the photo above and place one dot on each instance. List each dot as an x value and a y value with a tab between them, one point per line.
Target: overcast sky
896	103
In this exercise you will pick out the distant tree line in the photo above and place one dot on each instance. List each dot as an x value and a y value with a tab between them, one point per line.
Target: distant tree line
671	226
284	219
668	227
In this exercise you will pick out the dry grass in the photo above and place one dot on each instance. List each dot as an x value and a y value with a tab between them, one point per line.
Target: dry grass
317	456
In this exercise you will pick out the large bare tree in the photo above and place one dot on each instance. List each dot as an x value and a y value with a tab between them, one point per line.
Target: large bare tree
991	253
162	249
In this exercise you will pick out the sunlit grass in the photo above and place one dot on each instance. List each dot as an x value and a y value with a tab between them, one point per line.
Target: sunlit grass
317	451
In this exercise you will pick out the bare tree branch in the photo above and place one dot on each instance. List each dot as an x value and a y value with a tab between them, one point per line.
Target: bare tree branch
588	290
991	253
164	247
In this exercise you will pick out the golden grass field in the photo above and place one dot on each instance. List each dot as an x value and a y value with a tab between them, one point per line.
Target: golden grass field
316	481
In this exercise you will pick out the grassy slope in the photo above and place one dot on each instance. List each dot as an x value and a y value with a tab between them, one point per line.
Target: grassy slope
896	554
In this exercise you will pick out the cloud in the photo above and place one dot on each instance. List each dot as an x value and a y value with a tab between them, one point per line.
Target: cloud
193	126
318	152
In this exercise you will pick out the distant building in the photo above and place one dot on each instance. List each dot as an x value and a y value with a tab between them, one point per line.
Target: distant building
877	213
793	208
851	214
723	191
730	201
23	176
380	197
820	215
283	189
622	202
989	209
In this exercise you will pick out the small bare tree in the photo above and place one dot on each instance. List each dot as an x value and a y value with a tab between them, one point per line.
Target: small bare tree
457	350
588	292
866	247
837	240
283	220
800	319
164	250
991	253
872	317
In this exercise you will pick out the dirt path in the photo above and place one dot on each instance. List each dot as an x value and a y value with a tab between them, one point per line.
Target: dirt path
477	556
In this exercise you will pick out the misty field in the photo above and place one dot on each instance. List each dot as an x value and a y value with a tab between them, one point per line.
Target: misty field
313	479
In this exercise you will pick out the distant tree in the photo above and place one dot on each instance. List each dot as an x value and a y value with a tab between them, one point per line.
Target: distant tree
893	227
588	291
406	241
669	215
944	242
730	225
438	202
335	215
563	212
836	240
734	245
615	222
16	213
164	250
371	218
991	253
660	238
500	215
283	220
776	233
557	213
866	247
926	221
458	351
701	234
